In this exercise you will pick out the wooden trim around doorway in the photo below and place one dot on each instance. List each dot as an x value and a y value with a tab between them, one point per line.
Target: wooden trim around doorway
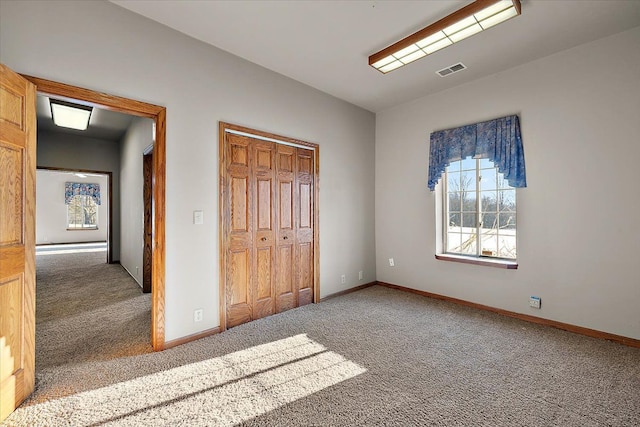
158	114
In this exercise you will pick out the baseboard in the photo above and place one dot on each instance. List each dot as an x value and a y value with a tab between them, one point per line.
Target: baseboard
193	337
348	291
631	342
70	243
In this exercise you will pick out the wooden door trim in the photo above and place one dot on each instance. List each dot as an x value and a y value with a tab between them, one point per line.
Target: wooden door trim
223	126
109	196
158	114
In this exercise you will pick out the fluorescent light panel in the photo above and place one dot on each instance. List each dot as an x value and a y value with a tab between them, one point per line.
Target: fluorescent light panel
471	19
69	115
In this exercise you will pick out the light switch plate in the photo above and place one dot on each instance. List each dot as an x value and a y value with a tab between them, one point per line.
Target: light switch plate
198	217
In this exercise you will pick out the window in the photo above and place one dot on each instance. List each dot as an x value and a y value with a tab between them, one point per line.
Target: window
82	213
479	210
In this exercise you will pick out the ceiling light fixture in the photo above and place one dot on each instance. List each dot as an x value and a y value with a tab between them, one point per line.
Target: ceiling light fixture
69	115
465	22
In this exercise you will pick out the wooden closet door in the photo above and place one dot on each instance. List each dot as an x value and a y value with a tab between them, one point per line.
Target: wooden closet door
238	219
264	157
286	294
304	226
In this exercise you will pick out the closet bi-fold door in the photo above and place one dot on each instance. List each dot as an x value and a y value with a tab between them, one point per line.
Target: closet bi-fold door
286	292
268	225
304	209
250	224
239	206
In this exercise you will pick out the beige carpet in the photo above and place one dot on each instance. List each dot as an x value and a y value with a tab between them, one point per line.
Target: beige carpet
377	357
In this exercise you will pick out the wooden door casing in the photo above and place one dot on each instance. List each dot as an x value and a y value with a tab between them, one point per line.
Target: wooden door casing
268	236
17	239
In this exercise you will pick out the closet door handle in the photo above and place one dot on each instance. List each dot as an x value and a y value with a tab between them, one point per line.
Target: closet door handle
264	239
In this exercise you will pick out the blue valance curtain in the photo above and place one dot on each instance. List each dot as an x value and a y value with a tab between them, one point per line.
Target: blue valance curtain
81	189
498	140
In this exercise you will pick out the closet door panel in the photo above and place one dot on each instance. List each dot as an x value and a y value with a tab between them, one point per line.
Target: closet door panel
264	238
238	223
304	226
286	294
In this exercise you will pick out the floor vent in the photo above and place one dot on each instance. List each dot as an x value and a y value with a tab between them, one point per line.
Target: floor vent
451	69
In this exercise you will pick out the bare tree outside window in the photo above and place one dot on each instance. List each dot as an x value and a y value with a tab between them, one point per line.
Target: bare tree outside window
82	213
480	210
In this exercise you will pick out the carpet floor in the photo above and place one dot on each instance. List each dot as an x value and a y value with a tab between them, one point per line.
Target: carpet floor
376	357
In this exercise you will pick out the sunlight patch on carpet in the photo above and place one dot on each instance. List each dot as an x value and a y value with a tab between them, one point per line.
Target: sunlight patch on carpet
225	390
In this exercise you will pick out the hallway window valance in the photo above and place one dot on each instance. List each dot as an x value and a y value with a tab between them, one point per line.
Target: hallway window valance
72	189
498	140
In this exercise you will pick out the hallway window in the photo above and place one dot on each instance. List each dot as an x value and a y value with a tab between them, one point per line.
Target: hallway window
82	213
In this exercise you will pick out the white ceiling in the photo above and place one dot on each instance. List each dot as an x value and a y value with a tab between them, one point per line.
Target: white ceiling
326	44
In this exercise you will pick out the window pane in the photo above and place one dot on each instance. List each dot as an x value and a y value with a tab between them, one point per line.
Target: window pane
507	200
489	220
469	242
467	181
507	221
488	179
486	164
453	181
454	166
489	242
454	220
454	202
489	201
507	245
469	164
453	242
502	183
468	201
469	220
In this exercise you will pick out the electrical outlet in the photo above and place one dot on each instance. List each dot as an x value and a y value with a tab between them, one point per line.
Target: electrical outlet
197	315
535	302
343	279
391	262
360	274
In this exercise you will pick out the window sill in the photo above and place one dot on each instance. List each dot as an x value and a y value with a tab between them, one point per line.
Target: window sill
82	229
487	262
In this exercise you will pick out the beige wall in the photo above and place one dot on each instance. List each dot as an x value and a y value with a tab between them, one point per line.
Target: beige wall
578	237
101	46
138	137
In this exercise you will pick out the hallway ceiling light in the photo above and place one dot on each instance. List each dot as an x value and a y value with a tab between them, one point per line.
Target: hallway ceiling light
465	22
69	115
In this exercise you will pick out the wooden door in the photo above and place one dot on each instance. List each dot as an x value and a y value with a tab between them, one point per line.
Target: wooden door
268	224
239	229
304	208
147	196
17	239
263	180
286	295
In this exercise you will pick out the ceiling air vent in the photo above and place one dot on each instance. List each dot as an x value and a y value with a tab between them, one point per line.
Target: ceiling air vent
451	69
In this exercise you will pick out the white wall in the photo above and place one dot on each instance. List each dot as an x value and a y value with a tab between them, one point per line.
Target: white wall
51	210
138	137
68	151
101	46
578	237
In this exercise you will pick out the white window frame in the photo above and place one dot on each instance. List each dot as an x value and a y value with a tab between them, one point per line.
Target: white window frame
444	223
83	226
